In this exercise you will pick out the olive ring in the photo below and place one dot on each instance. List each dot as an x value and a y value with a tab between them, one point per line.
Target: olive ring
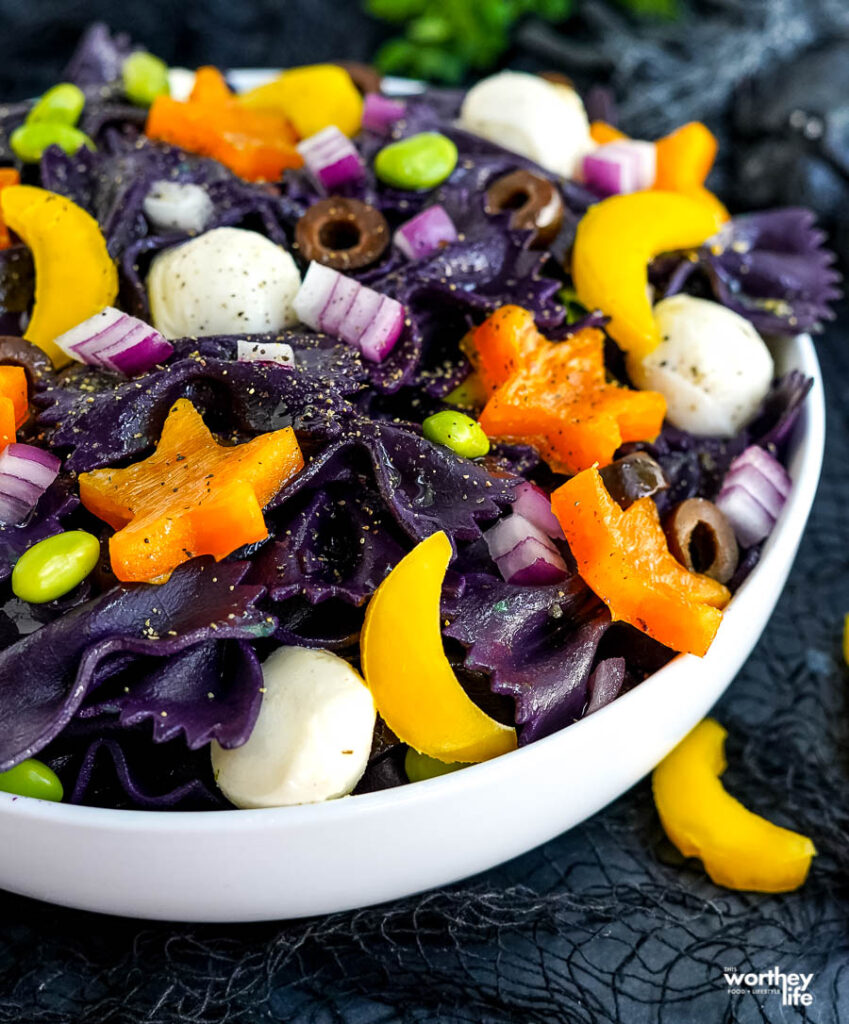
633	477
534	200
345	234
702	539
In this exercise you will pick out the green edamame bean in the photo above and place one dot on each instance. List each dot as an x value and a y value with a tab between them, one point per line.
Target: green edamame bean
32	778
458	432
145	77
30	140
62	104
420	767
421	161
54	566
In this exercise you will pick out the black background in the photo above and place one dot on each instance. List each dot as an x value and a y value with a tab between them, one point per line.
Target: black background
37	39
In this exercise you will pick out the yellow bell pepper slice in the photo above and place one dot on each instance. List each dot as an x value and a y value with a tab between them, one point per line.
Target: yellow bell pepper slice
311	98
74	274
739	849
615	242
405	667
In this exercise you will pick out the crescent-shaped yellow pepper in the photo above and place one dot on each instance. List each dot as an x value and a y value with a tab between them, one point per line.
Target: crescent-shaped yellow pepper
739	849
616	240
405	667
74	274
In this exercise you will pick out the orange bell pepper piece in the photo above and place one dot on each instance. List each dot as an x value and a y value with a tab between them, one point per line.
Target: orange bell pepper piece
685	157
192	497
14	407
555	395
255	144
210	86
602	133
8	176
623	557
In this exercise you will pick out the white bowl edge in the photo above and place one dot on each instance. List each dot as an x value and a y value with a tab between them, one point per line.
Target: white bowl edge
301	861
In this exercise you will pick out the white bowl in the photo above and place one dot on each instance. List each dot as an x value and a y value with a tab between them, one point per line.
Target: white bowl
298	861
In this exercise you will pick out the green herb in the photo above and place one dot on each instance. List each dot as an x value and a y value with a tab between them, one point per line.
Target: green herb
444	39
652	8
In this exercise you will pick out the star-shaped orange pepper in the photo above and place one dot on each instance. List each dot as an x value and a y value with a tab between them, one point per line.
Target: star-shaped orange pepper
623	556
258	145
555	395
192	497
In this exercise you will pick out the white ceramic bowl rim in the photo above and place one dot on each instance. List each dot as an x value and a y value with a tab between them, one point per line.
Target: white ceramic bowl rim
806	477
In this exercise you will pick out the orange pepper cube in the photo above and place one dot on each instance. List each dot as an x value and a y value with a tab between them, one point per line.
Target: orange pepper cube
622	555
192	497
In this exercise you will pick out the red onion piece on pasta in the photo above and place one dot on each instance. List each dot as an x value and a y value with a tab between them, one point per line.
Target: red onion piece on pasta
25	474
115	341
330	301
331	159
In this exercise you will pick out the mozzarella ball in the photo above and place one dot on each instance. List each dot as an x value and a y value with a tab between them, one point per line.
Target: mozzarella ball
312	739
181	81
711	365
538	119
226	281
178	206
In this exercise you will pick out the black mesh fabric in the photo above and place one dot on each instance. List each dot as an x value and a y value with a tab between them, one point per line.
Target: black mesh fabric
606	923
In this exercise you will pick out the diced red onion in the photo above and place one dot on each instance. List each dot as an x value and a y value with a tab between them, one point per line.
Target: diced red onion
534	504
644	157
381	112
618	167
381	335
523	553
331	159
332	302
345	290
115	341
265	352
512	530
753	493
178	206
311	298
25	474
752	480
361	313
767	465
750	520
425	233
531	564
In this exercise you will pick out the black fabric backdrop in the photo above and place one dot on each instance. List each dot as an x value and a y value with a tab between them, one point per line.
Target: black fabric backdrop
603	924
